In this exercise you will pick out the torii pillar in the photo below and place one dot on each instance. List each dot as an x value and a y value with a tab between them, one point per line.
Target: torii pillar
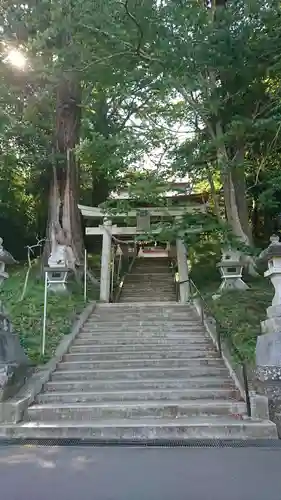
182	271
105	261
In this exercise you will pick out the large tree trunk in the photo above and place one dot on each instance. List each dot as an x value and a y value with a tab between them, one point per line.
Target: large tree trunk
64	221
230	199
239	181
214	195
231	207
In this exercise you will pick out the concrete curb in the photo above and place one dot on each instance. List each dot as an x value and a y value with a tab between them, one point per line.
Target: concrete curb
12	411
259	403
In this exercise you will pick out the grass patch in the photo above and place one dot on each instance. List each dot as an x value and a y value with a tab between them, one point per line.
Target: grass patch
27	315
240	313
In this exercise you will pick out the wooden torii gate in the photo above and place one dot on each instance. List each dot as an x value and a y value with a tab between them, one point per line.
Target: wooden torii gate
107	229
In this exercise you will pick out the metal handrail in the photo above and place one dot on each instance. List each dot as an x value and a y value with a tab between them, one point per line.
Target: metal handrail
176	282
206	308
116	295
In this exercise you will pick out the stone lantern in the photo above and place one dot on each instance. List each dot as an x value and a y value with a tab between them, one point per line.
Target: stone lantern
57	270
268	349
231	268
273	272
14	364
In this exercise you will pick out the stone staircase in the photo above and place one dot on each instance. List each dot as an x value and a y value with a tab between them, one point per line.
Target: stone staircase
141	372
149	280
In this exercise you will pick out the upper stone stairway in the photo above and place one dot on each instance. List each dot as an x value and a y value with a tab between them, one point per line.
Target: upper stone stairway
140	372
150	280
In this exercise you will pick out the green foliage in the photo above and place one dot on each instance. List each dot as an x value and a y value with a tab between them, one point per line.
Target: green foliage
146	70
27	315
240	314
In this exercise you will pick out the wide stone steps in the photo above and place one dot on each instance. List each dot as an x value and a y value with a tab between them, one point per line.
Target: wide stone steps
140	372
145	429
149	280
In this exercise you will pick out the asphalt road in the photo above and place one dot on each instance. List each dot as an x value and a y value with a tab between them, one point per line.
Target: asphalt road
90	473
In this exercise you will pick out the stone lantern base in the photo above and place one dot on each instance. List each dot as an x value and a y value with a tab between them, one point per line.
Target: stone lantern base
15	366
57	279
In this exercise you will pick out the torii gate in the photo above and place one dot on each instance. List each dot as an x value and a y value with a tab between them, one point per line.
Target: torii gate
107	229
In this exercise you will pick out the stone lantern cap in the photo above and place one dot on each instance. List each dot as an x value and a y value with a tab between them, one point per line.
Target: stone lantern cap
229	263
273	250
230	258
6	257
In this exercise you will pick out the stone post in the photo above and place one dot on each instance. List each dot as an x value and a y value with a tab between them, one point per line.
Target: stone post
14	364
268	348
105	261
182	270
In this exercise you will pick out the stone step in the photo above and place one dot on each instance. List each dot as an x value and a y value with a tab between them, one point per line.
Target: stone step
148	318
141	297
144	305
172	309
147	309
155	269
195	383
134	348
141	326
134	288
134	409
143	287
127	327
140	363
155	283
137	395
149	293
143	272
139	337
131	326
152	286
164	323
151	279
115	340
139	355
161	319
141	373
145	429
